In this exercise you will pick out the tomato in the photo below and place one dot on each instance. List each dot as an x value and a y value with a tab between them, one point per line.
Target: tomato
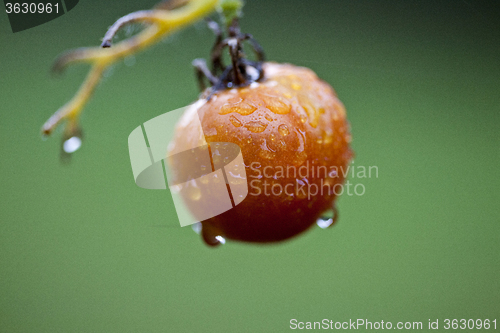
289	125
294	138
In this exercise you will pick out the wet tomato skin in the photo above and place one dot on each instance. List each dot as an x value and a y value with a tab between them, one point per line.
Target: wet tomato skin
289	122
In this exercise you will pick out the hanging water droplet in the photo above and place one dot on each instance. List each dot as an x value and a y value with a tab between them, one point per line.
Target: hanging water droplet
327	222
324	223
209	238
196	227
221	239
72	144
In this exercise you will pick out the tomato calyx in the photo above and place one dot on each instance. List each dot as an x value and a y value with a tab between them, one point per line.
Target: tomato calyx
241	72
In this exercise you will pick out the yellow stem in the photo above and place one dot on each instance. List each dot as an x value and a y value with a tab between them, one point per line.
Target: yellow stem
162	23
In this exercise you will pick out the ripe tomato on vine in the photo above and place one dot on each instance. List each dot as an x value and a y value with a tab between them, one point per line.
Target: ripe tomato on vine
281	116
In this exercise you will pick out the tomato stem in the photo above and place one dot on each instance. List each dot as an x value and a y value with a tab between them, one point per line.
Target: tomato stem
241	72
166	18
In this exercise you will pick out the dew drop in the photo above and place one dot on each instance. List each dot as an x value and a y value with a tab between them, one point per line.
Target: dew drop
312	113
276	105
72	144
221	239
283	129
196	227
242	108
255	126
324	223
235	121
210	238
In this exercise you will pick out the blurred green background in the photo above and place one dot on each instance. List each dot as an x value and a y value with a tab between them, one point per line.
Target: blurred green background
83	249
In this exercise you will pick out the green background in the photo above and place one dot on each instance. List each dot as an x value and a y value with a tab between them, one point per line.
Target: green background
83	249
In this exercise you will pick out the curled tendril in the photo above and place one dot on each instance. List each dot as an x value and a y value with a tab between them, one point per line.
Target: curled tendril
166	18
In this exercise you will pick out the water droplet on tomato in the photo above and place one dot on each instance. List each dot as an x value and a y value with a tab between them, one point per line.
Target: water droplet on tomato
240	107
255	126
283	129
235	121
